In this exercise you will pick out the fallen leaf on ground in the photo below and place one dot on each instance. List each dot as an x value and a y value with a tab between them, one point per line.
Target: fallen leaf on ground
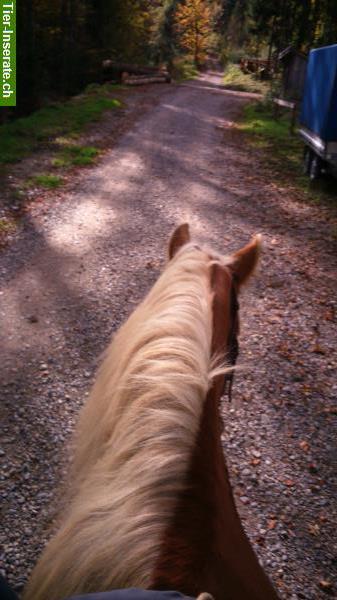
329	315
274	319
306	388
260	540
330	410
325	585
314	529
318	349
288	482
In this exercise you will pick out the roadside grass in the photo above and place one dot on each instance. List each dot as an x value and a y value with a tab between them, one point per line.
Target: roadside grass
270	133
184	69
45	180
234	79
18	138
284	152
75	155
55	129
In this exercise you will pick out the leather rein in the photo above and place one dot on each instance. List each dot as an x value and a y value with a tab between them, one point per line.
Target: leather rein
232	343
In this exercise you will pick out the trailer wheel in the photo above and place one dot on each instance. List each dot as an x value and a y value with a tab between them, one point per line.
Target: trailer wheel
307	160
315	167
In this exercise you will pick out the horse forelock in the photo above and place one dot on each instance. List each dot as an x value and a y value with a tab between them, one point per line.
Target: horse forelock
136	436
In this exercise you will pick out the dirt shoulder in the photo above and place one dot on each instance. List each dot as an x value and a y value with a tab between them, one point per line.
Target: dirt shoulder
89	253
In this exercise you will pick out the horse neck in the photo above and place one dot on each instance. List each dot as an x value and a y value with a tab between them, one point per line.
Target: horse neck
205	547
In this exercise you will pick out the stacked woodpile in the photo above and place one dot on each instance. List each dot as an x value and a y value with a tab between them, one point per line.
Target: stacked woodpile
134	74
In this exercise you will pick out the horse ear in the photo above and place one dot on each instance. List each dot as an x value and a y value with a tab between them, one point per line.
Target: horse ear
179	237
245	260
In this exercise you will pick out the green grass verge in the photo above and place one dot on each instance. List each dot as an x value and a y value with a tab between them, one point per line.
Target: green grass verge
20	137
284	152
45	180
271	134
183	70
75	155
234	79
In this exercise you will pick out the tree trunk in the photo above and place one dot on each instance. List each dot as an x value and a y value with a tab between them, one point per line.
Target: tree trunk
69	83
271	39
27	99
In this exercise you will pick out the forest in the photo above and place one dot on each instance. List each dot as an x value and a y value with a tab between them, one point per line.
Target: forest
62	43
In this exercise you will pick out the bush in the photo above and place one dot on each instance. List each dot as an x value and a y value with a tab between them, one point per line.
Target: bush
234	79
183	68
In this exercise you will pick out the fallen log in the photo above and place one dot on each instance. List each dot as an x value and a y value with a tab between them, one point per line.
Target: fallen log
143	80
117	70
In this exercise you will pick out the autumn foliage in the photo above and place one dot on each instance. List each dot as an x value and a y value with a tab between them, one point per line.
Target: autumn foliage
193	28
61	43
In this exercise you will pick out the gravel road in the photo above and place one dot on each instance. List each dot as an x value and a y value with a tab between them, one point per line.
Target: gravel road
82	263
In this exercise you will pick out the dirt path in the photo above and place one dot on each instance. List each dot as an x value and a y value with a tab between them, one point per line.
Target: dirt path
81	265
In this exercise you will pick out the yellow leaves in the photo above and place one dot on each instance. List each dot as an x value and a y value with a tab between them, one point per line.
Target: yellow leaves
193	27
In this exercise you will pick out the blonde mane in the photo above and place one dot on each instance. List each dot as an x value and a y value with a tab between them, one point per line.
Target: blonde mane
135	438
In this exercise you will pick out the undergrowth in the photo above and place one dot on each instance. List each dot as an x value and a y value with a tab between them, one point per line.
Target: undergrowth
18	138
184	69
234	79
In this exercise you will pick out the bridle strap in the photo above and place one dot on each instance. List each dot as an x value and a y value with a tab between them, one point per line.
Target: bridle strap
233	344
225	324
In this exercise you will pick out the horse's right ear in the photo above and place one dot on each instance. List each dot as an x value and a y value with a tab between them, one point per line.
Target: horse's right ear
244	261
179	238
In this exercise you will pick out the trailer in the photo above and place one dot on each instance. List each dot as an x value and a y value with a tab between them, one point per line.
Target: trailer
318	116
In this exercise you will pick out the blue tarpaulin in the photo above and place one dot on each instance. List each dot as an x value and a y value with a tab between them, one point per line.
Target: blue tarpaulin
319	103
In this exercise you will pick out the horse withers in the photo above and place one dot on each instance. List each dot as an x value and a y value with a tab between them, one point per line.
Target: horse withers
150	503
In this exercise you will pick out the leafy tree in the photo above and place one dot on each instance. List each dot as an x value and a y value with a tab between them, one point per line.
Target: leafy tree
193	27
61	43
272	25
165	40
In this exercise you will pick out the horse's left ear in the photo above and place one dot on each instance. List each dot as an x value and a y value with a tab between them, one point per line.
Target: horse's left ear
179	237
245	260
